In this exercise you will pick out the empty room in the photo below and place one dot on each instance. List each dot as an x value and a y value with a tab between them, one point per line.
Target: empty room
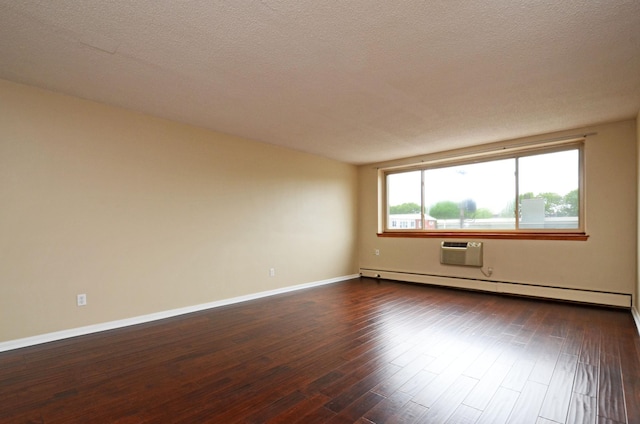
319	212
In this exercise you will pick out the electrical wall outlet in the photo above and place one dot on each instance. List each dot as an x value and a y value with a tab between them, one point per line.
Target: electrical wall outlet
272	272
377	252
81	299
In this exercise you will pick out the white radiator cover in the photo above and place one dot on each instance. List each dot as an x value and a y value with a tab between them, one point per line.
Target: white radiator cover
557	293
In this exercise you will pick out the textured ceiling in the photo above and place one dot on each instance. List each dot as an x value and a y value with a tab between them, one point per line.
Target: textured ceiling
358	81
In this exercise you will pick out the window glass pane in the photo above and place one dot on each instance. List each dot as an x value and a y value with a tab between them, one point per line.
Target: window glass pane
489	195
404	198
477	196
549	187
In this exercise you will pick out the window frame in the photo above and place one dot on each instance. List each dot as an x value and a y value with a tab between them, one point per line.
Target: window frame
498	153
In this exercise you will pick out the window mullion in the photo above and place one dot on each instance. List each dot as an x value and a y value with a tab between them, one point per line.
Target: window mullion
423	221
516	209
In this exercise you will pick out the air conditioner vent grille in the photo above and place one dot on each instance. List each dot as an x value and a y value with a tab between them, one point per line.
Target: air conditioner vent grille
454	244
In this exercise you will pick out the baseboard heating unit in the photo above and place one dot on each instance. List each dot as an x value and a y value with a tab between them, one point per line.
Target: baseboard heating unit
519	289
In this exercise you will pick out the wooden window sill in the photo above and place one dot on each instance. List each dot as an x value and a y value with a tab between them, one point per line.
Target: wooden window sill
504	235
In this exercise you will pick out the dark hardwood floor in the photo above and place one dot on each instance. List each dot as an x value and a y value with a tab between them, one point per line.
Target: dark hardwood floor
361	351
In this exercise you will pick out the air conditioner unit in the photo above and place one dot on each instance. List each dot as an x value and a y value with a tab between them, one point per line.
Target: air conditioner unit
468	253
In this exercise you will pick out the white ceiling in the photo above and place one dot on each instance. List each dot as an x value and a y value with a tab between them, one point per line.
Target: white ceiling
359	81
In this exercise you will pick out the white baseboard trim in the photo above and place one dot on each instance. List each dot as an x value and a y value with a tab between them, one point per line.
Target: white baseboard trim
556	293
636	318
81	331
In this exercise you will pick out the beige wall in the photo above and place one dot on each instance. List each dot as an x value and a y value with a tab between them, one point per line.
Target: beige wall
146	215
606	262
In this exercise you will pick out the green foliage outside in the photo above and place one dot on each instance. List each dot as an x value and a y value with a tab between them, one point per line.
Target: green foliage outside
405	208
555	205
445	210
451	210
482	213
571	204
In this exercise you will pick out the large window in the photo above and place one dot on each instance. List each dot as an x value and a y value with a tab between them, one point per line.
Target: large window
525	191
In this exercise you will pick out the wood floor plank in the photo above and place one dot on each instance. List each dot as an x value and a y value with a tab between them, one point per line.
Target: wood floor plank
410	413
632	398
355	390
586	382
546	362
518	375
484	361
486	388
432	391
402	377
611	404
360	407
630	366
447	404
418	382
319	415
583	409
323	381
298	410
270	411
364	351
464	415
590	352
556	403
500	407
409	356
603	420
527	408
573	341
545	421
388	407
